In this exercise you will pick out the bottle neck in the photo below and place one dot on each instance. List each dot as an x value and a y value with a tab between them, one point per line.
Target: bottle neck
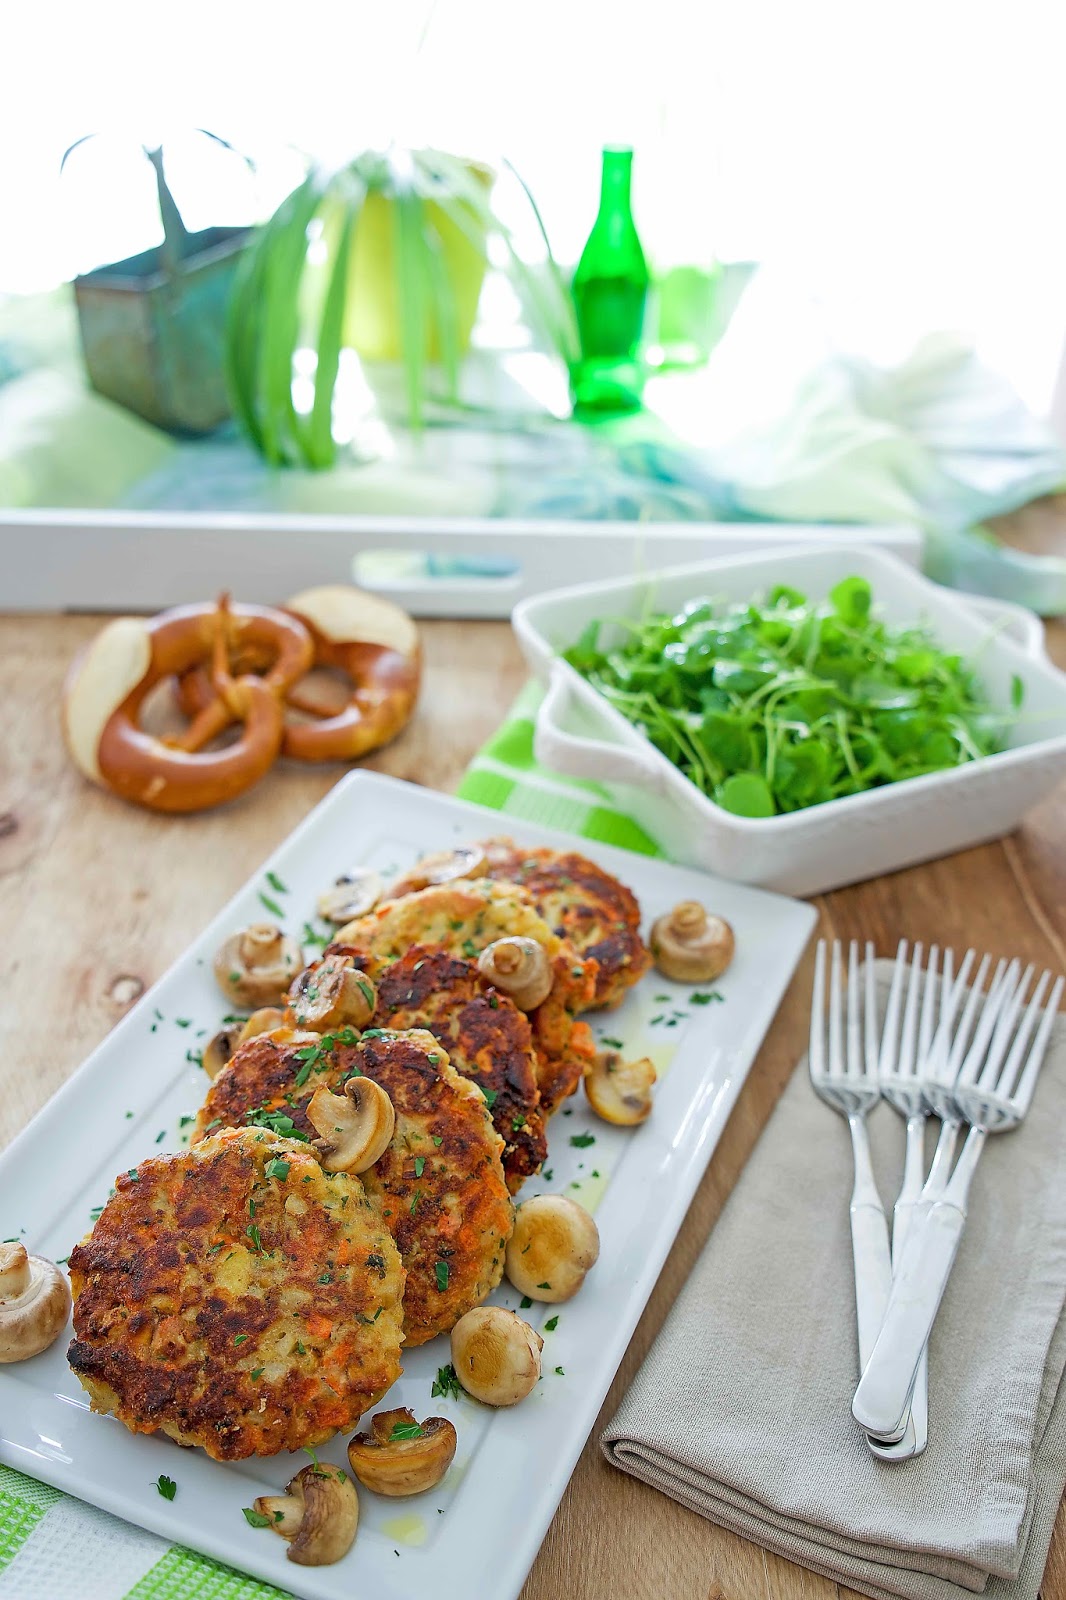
615	180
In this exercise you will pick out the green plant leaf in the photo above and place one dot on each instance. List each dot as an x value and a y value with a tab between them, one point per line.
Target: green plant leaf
442	296
746	794
321	451
285	254
410	267
852	598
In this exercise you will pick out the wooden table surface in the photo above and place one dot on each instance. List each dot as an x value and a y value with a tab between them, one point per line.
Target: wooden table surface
97	899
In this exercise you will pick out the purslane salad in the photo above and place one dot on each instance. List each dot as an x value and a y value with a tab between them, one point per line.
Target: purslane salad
777	705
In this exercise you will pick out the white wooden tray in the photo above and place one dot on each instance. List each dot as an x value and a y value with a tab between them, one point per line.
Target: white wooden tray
436	567
477	1533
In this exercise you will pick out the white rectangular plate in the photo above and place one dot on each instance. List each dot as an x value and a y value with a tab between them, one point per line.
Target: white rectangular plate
478	1532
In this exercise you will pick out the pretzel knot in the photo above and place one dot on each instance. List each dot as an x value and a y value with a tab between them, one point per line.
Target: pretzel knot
108	685
357	636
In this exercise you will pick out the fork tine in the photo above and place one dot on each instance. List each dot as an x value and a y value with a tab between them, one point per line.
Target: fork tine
974	1000
906	1062
939	1064
998	1001
1004	1031
816	1053
851	1024
1024	1092
836	1011
947	982
869	1014
890	1027
1008	1078
929	994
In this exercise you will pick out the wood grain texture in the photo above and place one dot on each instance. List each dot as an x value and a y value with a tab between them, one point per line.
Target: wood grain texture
97	899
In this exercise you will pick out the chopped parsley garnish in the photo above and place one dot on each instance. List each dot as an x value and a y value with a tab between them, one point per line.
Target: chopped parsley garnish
271	905
543	1285
276	883
406	1430
446	1384
581	1141
612	1044
239	1338
525	1303
372	1033
257	1372
518	1123
310	937
378	1264
166	1486
254	1518
161	1136
703	999
420	1166
469	949
253	1233
183	1122
547	1174
490	1097
560	1372
414	1202
276	1168
276	1122
441	1269
551	1324
325	1277
132	1173
300	1351
438	1139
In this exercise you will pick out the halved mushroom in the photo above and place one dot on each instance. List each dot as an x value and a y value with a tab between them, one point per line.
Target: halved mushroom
218	1049
554	1243
318	1514
620	1091
333	993
520	968
255	966
265	1020
444	866
351	895
34	1303
690	945
496	1355
400	1456
355	1127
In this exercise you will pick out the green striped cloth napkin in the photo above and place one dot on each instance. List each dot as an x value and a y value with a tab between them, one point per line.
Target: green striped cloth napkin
53	1547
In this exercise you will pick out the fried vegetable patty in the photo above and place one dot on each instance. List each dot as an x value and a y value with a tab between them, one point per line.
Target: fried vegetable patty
487	1039
439	1187
462	918
237	1297
584	904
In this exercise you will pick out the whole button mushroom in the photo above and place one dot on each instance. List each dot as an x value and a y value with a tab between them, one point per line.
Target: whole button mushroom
256	966
34	1303
318	1514
554	1244
691	946
520	968
400	1456
496	1355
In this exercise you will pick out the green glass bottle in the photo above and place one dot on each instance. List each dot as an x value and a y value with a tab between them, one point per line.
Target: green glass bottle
610	289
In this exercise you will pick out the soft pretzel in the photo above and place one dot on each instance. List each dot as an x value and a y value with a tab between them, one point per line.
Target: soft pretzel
108	685
373	643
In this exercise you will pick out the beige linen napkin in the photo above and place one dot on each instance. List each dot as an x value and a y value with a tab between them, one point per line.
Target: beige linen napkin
742	1410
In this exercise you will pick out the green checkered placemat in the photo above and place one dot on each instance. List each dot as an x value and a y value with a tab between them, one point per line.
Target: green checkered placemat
53	1547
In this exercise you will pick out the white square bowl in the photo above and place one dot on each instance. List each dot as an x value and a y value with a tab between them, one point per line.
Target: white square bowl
841	841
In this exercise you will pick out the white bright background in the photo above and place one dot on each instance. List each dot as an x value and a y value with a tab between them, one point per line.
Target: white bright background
906	160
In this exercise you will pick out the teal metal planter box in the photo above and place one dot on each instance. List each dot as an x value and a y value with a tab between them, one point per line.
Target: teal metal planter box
153	329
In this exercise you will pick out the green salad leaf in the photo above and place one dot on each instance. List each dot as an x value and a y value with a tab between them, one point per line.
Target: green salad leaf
777	705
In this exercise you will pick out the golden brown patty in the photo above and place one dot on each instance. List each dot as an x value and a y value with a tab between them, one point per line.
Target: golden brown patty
237	1297
439	1186
464	917
487	1039
584	904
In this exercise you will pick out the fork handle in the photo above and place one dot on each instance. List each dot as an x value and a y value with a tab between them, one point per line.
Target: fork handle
870	1247
880	1404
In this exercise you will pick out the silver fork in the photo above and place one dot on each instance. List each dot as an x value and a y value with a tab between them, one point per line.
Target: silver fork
905	1048
993	1091
845	1077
